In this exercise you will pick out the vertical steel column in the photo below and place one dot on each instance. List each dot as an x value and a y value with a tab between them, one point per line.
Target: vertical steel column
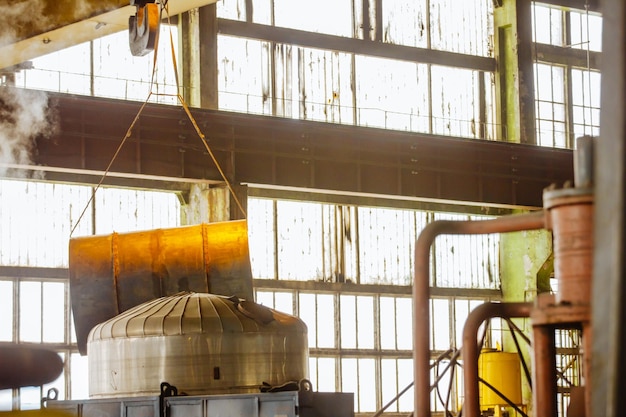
587	346
207	71
608	371
515	76
198	56
544	372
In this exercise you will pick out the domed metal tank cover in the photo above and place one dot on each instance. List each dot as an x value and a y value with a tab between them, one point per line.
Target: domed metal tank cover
201	343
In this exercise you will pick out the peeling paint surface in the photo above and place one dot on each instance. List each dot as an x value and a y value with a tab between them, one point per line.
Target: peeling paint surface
316	84
312	84
392	94
528	265
462	26
448	25
365	245
324	86
232	9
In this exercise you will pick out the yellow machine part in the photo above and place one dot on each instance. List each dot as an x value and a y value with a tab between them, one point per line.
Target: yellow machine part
501	370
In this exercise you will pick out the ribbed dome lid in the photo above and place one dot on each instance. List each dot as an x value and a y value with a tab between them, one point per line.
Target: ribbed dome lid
195	313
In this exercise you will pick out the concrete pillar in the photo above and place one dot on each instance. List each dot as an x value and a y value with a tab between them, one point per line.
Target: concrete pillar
198	51
209	204
523	265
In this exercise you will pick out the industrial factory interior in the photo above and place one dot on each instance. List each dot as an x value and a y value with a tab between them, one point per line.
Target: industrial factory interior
328	208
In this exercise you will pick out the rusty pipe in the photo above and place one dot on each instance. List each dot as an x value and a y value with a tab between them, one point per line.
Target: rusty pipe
421	287
471	350
544	372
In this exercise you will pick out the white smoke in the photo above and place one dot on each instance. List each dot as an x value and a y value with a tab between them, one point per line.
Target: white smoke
23	18
17	15
24	117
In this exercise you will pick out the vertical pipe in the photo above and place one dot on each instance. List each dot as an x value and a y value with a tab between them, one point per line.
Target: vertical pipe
583	162
421	288
608	303
471	350
544	372
481	131
587	359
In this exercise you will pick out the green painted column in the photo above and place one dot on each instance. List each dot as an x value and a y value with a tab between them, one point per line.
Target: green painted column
515	96
525	269
525	257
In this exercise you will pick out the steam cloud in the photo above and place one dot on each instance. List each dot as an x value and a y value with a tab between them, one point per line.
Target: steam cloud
28	17
20	14
24	116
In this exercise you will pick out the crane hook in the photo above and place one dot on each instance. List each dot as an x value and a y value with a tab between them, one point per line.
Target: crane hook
143	27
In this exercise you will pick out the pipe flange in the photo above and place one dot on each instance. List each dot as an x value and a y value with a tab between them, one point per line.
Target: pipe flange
563	196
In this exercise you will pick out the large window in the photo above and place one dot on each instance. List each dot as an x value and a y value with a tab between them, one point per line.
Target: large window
361	342
445	25
359	310
415	91
36	219
567	77
341	86
345	270
105	68
362	245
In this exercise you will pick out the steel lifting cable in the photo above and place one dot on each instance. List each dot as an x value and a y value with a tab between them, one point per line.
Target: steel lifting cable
119	148
193	120
132	125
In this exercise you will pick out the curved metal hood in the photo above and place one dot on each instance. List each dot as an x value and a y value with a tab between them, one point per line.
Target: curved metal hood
110	274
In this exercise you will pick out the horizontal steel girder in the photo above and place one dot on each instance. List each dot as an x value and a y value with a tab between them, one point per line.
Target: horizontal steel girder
293	153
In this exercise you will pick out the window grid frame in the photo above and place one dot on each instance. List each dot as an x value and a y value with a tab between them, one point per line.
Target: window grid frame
569	63
17	276
377	353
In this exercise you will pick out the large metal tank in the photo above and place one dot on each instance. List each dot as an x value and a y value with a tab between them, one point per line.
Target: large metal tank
201	343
